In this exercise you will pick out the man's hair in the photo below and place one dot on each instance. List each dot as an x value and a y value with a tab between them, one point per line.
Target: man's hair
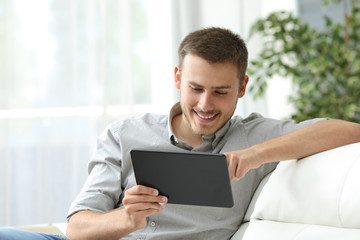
216	45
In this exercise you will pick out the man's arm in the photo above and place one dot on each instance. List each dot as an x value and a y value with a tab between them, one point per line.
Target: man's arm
309	140
139	202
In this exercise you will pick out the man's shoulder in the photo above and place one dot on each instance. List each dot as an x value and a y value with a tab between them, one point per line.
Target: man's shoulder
252	117
138	121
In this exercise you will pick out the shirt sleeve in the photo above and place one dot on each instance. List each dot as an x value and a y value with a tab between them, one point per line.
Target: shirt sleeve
102	189
260	129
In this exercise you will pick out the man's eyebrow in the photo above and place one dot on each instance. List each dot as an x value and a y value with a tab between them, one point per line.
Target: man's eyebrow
216	87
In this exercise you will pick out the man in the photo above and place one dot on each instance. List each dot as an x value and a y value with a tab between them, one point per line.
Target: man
211	78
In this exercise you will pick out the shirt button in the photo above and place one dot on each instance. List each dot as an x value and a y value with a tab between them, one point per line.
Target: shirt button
153	224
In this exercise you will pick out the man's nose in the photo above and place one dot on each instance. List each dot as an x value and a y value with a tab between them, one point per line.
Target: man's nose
206	102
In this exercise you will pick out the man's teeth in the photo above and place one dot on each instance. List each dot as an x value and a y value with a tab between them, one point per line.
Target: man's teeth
206	117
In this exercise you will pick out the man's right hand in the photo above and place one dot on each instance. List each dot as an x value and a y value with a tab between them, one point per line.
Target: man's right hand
140	202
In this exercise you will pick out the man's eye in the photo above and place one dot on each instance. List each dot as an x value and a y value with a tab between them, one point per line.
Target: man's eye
196	89
221	93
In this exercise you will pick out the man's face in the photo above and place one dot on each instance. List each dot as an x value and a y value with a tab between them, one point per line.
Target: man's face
208	93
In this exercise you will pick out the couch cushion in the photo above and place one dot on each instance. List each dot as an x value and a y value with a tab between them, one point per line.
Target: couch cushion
55	228
322	189
47	229
269	230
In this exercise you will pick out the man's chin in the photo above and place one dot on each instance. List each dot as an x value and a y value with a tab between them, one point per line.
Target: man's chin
204	132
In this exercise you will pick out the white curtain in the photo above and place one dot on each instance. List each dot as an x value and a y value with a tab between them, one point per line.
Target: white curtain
68	68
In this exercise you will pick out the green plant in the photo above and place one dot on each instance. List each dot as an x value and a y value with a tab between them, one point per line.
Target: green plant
324	66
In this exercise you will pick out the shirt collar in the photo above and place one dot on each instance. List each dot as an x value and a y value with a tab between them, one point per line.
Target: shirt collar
215	139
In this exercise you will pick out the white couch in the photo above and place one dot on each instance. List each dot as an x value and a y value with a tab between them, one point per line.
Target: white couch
317	197
314	198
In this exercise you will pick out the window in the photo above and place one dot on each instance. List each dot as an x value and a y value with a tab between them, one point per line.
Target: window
67	69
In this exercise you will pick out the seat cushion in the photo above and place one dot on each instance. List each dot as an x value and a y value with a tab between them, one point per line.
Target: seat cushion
270	230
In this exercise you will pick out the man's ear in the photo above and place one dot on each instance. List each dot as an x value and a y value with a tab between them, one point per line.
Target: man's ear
177	77
243	86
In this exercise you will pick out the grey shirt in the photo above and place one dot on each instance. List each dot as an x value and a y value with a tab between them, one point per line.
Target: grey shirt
111	173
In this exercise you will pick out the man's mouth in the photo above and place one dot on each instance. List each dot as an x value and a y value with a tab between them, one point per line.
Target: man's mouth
206	117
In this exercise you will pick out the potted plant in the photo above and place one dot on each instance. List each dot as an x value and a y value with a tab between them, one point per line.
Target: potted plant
324	66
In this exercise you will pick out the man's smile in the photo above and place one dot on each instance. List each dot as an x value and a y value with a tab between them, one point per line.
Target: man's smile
206	116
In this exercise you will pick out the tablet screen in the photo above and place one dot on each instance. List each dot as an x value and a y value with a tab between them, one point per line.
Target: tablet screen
185	177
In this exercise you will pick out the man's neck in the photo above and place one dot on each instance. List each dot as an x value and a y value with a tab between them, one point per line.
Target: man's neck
183	131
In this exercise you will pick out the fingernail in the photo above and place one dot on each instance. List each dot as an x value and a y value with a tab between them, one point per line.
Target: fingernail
164	199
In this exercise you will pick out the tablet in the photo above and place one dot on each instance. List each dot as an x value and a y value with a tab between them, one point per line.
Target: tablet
185	177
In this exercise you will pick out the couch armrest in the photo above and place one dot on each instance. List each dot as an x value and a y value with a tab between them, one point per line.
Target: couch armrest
321	189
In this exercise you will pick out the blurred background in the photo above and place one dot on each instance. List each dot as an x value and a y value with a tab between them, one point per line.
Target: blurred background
69	67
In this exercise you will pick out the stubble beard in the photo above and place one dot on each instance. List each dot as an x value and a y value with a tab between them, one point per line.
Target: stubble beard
202	131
